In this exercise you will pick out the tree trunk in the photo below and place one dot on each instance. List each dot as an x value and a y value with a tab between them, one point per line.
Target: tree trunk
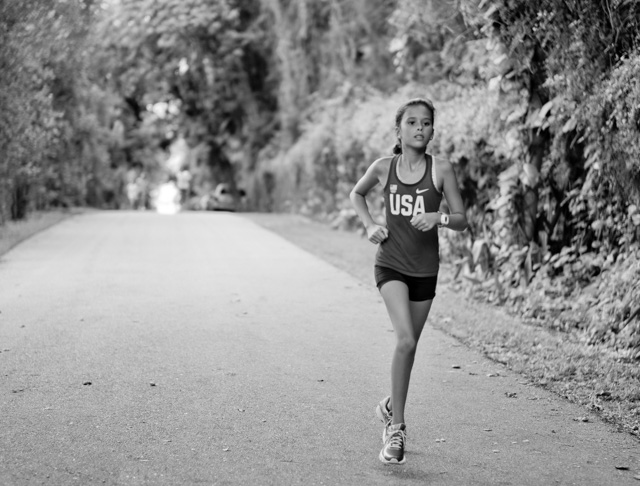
20	200
537	149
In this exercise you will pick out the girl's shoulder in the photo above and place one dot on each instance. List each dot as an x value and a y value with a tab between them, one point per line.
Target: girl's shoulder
382	165
440	161
442	170
442	165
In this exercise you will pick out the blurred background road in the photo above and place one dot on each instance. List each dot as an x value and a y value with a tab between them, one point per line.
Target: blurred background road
200	348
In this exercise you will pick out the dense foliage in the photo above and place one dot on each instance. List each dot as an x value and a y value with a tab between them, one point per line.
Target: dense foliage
38	96
537	108
573	198
201	65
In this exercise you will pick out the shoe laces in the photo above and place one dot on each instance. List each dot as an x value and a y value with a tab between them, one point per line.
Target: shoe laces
396	439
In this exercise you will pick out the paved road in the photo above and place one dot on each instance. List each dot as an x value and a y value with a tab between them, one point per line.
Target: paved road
141	349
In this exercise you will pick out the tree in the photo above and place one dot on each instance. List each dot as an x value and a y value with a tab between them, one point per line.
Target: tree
206	60
42	86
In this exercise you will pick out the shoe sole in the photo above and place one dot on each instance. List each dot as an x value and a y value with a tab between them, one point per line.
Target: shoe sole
392	462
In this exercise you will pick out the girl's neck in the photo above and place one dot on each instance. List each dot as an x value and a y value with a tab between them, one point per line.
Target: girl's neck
412	158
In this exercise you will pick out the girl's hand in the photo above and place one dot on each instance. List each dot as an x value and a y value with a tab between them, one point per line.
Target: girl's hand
425	221
377	234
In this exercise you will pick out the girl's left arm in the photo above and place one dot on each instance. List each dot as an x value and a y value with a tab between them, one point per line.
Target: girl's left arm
457	217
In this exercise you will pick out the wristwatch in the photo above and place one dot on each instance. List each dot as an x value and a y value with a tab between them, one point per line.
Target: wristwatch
444	219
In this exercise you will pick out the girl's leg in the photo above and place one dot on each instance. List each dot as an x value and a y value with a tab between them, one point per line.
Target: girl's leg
419	313
408	320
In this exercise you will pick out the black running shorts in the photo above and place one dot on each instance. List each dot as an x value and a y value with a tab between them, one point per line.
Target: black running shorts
420	288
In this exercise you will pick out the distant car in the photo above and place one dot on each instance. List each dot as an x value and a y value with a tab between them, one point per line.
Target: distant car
224	198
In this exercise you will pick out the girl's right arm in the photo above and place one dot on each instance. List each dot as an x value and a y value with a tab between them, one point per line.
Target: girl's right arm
375	233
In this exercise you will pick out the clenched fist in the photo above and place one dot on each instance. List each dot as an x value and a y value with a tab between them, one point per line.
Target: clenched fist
377	234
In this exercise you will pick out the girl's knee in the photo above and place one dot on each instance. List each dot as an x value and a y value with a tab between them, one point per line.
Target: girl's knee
406	344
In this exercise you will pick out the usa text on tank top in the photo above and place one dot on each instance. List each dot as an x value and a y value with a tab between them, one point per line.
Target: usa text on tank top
407	249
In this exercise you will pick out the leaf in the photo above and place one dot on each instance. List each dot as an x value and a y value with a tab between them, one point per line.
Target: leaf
545	109
516	115
490	11
570	124
473	279
509	175
530	176
500	59
538	117
480	253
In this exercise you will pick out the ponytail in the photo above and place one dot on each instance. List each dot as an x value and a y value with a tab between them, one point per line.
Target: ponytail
397	149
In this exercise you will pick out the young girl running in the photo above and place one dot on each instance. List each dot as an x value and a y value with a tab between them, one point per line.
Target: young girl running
407	261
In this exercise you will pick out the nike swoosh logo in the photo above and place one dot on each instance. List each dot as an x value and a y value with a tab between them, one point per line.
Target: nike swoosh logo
420	191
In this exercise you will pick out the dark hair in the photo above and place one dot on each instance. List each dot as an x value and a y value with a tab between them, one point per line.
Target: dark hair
400	113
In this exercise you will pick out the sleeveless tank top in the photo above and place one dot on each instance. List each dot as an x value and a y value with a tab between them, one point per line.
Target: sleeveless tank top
408	250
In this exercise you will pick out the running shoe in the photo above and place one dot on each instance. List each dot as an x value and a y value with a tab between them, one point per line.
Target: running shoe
393	450
384	414
383	411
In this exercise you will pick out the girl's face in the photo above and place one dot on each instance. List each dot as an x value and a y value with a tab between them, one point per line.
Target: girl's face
416	127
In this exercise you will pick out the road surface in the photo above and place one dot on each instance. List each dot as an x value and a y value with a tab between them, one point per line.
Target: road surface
200	348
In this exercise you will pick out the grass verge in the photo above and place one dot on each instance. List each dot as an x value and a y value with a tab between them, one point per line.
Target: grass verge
14	232
591	376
